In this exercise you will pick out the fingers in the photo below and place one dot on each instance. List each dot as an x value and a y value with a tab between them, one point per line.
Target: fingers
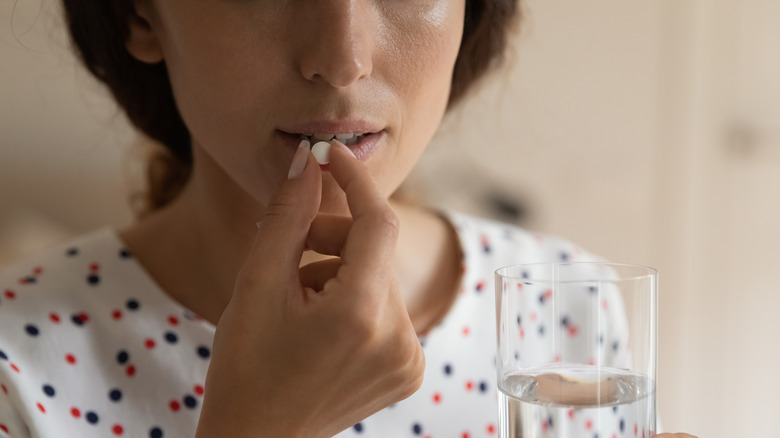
370	245
315	275
327	234
281	236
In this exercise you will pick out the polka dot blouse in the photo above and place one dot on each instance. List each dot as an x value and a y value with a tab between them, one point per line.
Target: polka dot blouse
91	347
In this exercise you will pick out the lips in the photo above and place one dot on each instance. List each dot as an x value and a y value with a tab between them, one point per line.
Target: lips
362	138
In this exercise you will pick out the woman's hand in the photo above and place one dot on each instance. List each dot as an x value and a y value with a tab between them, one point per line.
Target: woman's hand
311	351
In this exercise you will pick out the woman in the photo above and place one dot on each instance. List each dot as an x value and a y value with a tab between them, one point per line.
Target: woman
339	310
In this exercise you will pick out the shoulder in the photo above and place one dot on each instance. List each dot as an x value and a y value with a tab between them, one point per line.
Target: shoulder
500	243
64	272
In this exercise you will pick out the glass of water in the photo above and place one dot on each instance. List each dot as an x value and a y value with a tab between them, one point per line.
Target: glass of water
576	350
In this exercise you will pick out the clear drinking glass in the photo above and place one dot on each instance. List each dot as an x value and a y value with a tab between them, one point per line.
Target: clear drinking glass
576	350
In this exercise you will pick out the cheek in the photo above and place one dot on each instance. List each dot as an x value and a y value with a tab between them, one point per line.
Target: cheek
421	66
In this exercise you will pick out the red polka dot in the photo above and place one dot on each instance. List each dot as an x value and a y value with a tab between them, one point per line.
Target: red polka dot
172	320
94	267
533	316
38	270
14	367
71	359
437	398
41	408
75	412
491	429
522	333
589	424
5	390
465	435
573	330
149	343
83	317
117	429
469	385
604	304
557	358
570	413
10	294
130	370
636	429
175	406
3	428
548	294
466	331
116	314
54	318
199	389
519	285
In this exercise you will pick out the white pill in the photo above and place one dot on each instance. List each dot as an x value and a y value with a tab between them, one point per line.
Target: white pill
321	151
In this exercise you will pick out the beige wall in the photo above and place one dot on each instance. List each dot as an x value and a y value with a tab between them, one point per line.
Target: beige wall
645	131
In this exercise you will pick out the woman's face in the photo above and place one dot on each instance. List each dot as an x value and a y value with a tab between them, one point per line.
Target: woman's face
251	76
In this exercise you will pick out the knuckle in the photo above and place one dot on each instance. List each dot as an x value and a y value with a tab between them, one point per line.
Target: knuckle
387	221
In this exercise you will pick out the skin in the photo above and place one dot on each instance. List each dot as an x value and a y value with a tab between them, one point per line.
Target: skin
323	267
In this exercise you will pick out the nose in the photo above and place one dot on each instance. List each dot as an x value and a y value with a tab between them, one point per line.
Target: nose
339	42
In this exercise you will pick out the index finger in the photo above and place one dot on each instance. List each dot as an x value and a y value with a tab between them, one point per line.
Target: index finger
372	238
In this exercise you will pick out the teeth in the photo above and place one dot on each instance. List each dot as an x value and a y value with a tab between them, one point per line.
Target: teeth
348	138
344	137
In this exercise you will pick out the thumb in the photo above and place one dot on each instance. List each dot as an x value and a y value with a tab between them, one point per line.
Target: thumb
281	236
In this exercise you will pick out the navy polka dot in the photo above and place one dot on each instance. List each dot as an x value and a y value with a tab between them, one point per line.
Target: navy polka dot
565	321
358	427
448	369
204	352
91	417
31	330
115	395
601	339
2	355
72	252
78	320
519	320
541	330
125	254
93	279
156	433
592	289
615	345
541	299
133	304
171	337
190	401
483	386
122	357
525	275
550	421
48	390
564	256
416	429
614	409
622	425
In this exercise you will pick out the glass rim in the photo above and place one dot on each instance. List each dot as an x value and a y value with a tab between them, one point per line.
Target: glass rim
650	272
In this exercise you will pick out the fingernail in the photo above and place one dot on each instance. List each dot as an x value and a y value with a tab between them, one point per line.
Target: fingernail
343	146
299	160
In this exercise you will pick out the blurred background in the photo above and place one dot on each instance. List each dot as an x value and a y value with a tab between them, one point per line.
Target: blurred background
646	131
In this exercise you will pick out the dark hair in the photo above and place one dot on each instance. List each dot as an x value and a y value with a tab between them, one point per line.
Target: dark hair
100	28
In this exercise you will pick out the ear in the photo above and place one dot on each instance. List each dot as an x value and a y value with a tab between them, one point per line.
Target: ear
143	42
